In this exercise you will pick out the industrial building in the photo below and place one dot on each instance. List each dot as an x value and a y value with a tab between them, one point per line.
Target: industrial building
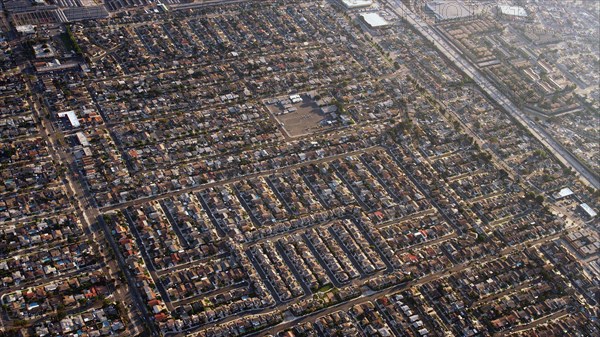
352	4
71	116
374	20
449	10
516	11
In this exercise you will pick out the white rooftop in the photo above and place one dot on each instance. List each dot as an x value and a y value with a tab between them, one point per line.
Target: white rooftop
357	3
374	20
450	9
565	192
513	10
590	212
71	116
26	29
82	139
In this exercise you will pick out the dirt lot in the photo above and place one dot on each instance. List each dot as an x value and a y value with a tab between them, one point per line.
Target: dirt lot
305	120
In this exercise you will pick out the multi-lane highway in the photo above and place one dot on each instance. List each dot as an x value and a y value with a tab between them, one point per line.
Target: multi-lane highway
470	70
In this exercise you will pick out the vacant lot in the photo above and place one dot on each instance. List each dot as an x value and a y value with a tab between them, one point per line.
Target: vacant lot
306	118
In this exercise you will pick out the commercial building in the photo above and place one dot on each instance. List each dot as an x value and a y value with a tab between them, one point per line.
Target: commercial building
374	20
449	10
517	11
351	4
588	211
71	116
563	193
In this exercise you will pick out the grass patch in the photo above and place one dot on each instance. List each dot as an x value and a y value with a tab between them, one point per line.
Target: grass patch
325	288
69	41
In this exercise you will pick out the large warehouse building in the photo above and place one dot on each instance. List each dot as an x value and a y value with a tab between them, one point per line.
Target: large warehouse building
374	20
351	4
516	11
449	10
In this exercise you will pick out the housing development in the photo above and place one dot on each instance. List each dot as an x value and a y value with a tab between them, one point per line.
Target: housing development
299	168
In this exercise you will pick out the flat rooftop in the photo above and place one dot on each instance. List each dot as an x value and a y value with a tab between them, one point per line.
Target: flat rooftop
71	116
512	10
374	20
357	3
565	192
588	210
448	10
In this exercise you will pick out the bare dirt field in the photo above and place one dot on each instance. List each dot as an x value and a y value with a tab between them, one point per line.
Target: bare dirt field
306	119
